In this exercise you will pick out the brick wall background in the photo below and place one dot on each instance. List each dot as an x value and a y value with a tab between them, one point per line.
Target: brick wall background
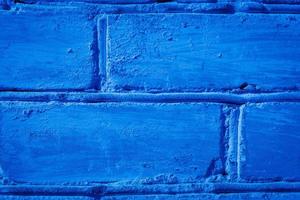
150	99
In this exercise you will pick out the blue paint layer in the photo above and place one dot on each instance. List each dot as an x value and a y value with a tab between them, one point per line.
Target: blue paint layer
209	108
183	52
44	198
255	196
196	1
109	142
95	1
271	134
135	188
53	53
280	1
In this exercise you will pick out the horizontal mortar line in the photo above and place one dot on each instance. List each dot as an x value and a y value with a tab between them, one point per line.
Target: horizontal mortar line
89	97
185	188
207	8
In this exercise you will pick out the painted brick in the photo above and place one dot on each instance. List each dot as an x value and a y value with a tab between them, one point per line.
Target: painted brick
97	1
271	134
196	1
192	52
55	143
14	197
248	196
279	1
256	196
44	50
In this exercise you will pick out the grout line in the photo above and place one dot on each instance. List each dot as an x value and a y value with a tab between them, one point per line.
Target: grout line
94	97
209	8
231	135
118	189
102	37
240	142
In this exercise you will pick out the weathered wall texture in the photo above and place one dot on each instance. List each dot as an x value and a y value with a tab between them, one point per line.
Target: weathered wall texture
149	99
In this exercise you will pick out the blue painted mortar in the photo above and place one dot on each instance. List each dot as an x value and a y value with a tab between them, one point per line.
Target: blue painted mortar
146	99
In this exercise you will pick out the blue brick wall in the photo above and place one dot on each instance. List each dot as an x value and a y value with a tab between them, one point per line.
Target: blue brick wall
149	99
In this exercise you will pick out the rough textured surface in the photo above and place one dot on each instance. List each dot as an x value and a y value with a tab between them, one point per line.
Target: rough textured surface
95	1
255	196
109	142
10	197
184	52
271	133
50	54
280	1
149	99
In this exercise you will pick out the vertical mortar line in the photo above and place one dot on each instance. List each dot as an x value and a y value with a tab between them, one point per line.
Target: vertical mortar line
102	40
223	138
235	5
232	123
240	142
229	141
